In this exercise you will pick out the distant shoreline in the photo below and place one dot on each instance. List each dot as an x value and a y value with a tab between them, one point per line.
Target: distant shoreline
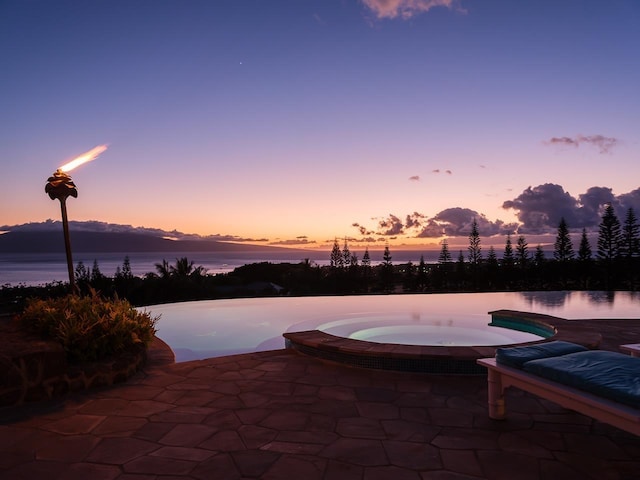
39	268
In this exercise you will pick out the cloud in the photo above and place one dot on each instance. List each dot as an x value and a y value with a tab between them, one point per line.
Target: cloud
539	209
391	225
456	222
604	144
414	220
437	170
406	9
415	178
364	240
591	204
452	222
302	240
630	200
363	230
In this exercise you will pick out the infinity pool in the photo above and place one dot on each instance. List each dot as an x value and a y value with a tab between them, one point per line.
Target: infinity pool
213	328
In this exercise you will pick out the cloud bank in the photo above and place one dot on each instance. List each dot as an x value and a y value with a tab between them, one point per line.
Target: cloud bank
451	222
406	9
538	209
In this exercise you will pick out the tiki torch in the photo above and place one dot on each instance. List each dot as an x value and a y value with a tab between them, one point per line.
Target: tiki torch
60	186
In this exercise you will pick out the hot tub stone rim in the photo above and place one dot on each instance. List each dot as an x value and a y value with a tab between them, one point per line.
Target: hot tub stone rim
421	357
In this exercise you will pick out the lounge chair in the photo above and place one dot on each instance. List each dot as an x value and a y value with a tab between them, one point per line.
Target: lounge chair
600	384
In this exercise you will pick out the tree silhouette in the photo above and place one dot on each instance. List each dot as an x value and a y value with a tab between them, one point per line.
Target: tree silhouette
630	241
163	269
563	247
96	274
421	280
507	257
346	254
538	257
492	258
493	267
475	250
522	251
445	255
336	261
366	270
82	274
584	250
126	268
609	235
366	258
386	270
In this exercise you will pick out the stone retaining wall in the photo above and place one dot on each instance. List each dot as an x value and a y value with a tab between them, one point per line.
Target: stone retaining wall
32	369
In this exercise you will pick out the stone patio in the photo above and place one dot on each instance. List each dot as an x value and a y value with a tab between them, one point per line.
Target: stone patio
280	414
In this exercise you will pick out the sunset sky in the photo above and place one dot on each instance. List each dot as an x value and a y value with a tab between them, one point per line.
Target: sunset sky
295	122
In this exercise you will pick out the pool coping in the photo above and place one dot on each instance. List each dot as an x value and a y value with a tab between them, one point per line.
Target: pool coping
436	359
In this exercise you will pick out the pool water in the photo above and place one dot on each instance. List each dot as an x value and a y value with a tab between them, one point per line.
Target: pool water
392	329
213	328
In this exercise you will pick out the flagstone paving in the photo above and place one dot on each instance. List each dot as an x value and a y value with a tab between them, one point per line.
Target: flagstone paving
279	414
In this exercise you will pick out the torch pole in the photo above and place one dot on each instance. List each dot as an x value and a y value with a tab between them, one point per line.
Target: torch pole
67	244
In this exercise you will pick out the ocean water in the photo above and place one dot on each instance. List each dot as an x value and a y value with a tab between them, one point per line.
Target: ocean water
41	268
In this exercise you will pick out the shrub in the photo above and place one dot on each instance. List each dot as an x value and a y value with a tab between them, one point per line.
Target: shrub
89	327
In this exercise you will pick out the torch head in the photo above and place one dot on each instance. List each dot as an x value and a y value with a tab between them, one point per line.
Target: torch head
60	186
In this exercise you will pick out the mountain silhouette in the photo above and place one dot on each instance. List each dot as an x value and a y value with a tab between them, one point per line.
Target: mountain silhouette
85	241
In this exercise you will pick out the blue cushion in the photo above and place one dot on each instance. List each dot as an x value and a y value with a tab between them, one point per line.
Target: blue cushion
606	374
518	356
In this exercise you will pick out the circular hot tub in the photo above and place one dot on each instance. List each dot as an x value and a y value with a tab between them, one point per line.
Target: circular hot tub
403	329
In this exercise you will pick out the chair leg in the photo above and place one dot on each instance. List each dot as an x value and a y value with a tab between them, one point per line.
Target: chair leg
497	409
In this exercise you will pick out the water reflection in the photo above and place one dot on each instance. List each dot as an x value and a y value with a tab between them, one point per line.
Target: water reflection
547	299
600	297
560	298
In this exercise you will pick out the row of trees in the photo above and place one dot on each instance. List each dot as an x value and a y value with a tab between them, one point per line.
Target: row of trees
615	242
614	264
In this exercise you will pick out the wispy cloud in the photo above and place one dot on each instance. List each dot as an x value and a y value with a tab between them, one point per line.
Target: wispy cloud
604	144
406	9
414	178
301	240
437	170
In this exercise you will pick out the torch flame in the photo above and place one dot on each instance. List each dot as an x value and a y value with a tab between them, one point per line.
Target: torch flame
84	158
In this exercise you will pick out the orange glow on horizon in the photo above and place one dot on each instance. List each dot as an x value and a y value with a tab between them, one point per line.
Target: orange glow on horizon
84	158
